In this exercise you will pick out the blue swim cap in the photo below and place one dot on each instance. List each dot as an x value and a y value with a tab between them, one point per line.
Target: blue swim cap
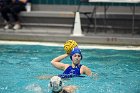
74	51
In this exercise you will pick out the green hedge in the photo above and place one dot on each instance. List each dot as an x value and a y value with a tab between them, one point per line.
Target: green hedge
77	2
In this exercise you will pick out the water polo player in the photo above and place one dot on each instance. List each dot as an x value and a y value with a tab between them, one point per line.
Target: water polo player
56	85
75	69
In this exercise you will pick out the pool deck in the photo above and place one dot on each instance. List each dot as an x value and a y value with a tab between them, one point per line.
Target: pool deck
60	36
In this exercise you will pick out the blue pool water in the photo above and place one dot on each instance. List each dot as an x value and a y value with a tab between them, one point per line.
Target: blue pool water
118	70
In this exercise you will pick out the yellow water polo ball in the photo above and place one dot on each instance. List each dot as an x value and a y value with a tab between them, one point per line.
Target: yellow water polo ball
69	45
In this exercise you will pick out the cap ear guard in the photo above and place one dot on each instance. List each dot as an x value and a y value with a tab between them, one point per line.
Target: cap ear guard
60	84
50	84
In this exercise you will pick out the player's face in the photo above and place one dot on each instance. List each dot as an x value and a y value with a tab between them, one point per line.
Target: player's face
76	58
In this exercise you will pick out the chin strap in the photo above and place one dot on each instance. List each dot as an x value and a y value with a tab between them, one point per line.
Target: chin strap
57	91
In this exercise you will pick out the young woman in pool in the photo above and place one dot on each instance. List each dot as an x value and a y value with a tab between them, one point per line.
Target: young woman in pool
75	69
